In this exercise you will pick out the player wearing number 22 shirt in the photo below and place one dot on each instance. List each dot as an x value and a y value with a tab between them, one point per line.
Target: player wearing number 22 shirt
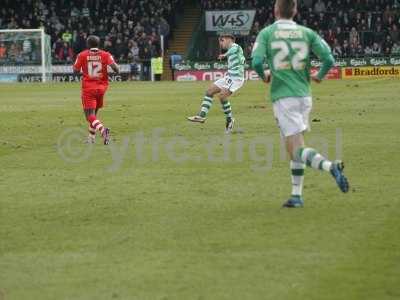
286	47
93	64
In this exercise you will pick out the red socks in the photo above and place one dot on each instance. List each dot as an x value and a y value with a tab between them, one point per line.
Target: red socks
95	124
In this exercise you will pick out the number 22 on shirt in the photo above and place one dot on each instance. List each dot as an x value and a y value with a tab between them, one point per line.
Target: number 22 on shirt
284	59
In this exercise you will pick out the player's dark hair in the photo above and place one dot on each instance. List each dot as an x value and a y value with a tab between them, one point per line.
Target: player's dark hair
287	8
93	41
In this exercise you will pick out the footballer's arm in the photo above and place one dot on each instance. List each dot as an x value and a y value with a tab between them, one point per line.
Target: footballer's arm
77	71
324	53
115	68
258	57
77	66
258	65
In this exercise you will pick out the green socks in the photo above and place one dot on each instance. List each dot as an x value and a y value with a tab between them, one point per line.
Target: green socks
205	106
226	107
313	159
297	170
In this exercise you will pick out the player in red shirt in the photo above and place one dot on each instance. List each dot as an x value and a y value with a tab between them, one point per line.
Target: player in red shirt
93	63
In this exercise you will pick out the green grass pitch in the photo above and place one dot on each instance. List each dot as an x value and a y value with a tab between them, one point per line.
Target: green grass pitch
174	210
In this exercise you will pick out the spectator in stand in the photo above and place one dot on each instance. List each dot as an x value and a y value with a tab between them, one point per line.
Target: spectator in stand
388	15
85	12
387	51
340	36
145	58
346	49
108	45
394	33
13	52
376	50
3	51
363	26
139	21
57	45
119	50
319	7
357	21
379	34
354	37
69	21
346	22
330	37
133	50
387	44
65	53
101	32
359	51
333	23
337	49
368	51
67	36
27	47
353	50
322	23
134	67
80	42
395	49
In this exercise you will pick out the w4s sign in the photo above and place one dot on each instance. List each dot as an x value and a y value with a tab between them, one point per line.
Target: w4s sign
230	20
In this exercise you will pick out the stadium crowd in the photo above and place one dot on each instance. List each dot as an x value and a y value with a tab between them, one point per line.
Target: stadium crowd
129	29
353	28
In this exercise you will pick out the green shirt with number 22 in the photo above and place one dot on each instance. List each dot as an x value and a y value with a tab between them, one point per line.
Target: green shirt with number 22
286	47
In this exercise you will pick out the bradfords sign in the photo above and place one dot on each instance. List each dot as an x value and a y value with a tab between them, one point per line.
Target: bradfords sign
370	72
234	21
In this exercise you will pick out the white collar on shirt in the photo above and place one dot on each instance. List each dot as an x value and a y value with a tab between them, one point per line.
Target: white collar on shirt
285	21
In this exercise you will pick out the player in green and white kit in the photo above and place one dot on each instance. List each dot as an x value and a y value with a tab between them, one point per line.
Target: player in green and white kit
233	80
286	47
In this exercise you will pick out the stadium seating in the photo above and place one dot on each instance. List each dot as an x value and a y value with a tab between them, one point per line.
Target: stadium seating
353	28
131	30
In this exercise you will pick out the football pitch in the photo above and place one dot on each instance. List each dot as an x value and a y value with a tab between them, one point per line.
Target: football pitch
175	210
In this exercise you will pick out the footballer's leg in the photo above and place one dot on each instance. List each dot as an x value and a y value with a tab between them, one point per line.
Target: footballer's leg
99	104
315	160
226	107
89	101
92	131
89	104
206	104
95	123
302	156
232	85
297	172
292	115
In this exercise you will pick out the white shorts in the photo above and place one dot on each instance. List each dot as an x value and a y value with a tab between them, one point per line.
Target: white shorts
229	83
292	114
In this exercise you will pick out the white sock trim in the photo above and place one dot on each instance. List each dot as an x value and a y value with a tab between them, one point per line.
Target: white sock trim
297	165
326	165
305	154
316	161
